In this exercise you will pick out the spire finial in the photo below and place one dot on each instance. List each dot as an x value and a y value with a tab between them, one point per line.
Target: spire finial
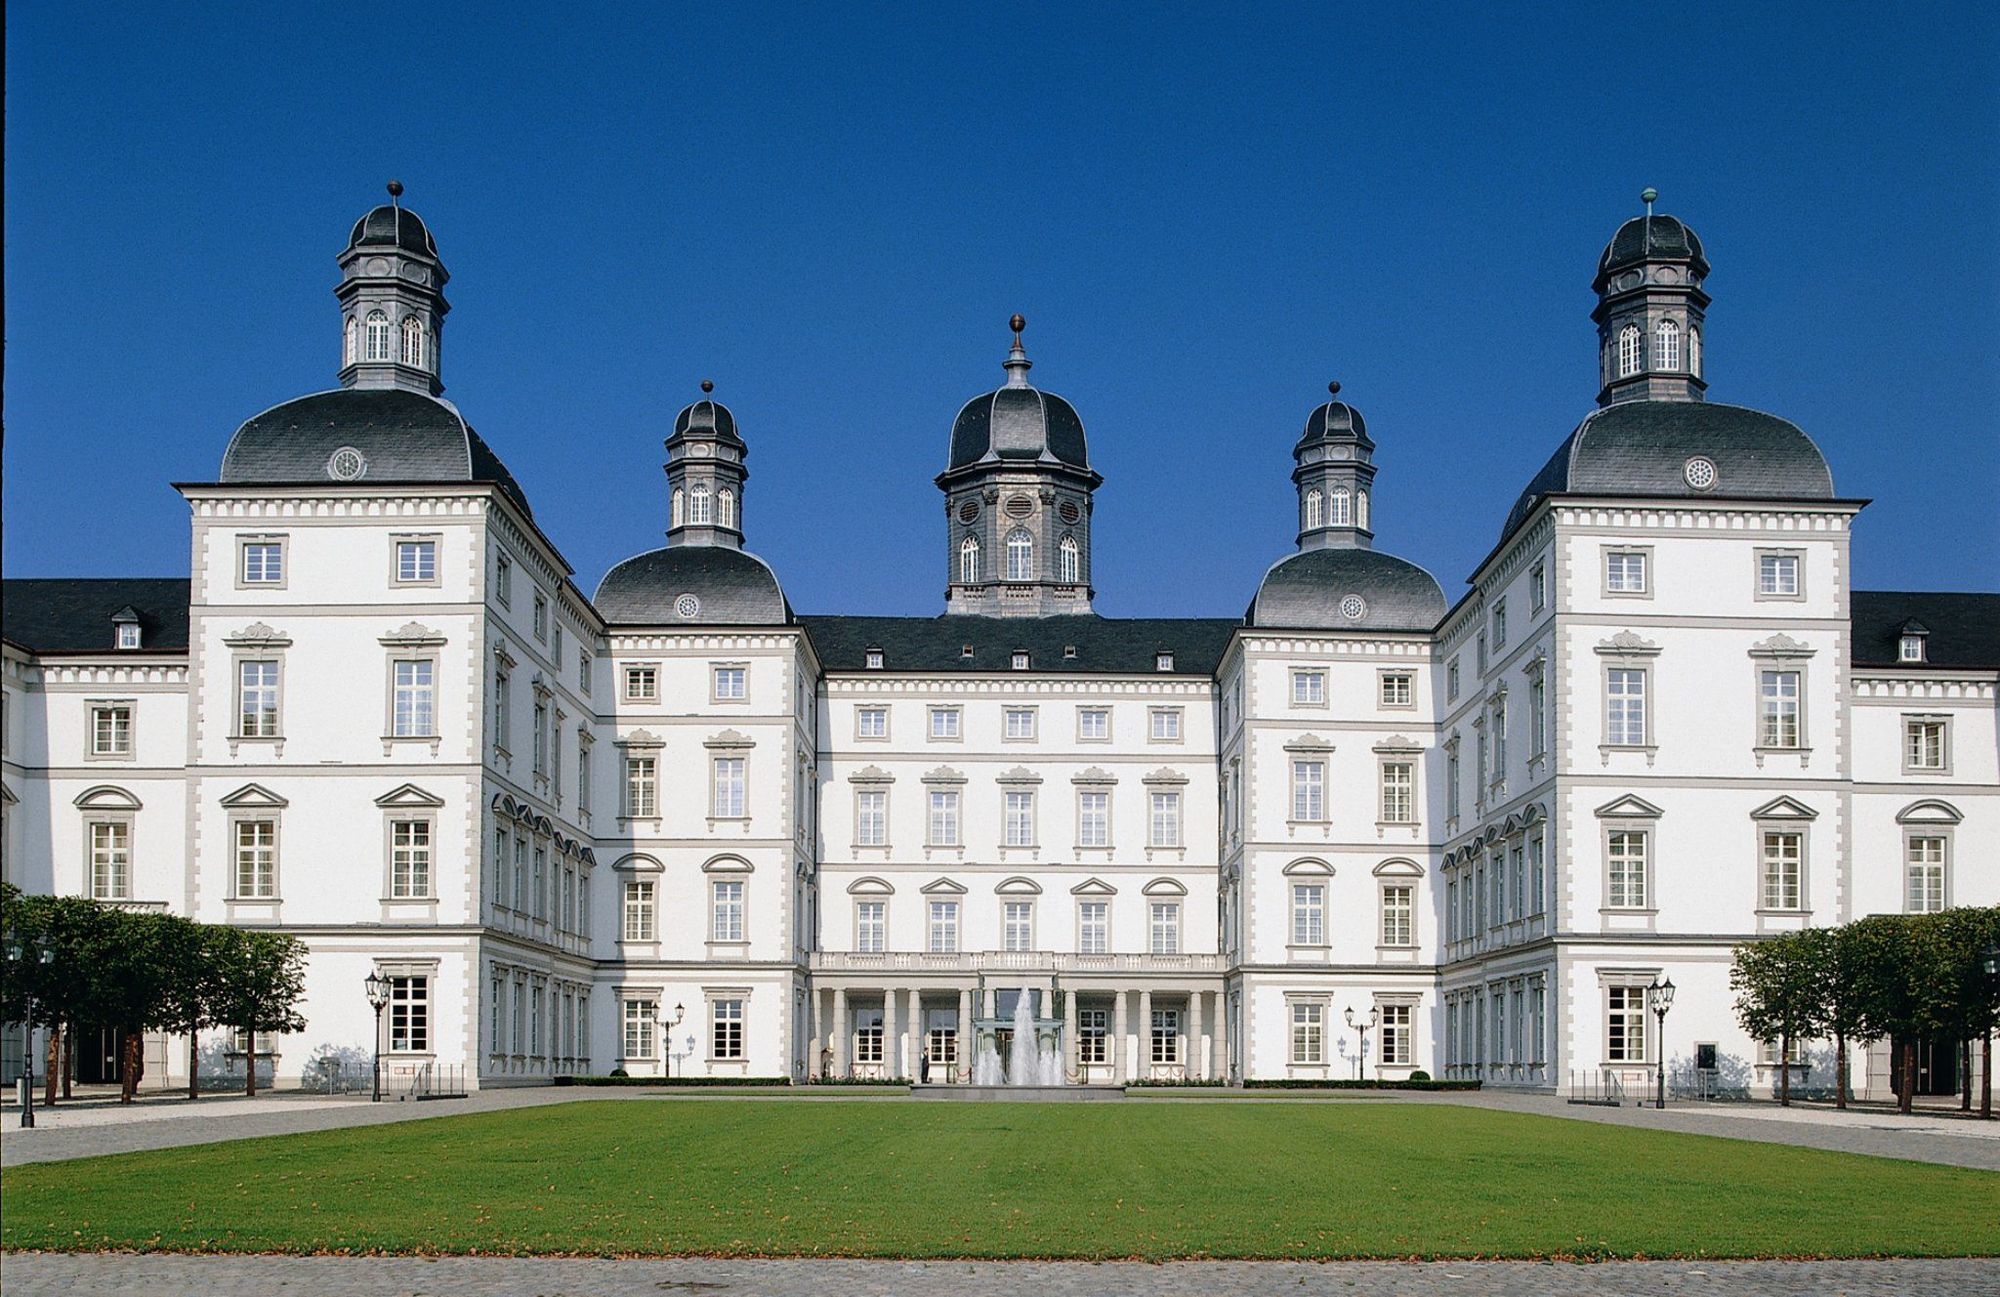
1017	363
1648	196
1333	388
396	193
707	385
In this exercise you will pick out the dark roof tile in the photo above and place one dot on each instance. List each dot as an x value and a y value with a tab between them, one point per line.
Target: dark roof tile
74	614
1103	645
1962	630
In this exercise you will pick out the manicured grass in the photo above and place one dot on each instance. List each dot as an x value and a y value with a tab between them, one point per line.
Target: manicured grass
936	1179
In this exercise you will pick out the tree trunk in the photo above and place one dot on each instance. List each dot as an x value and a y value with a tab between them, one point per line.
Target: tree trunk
1785	1069
68	1058
1965	1075
194	1082
54	1065
132	1066
1840	1069
1909	1093
250	1068
1986	1076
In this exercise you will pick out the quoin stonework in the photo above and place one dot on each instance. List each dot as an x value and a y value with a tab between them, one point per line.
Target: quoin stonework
670	824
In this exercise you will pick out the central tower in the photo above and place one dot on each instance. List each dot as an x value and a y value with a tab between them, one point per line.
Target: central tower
1018	491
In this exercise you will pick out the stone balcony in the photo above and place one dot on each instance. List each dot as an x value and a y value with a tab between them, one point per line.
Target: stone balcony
970	962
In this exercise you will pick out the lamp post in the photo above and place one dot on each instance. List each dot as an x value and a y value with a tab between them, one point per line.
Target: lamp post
16	955
378	997
1362	1026
1661	994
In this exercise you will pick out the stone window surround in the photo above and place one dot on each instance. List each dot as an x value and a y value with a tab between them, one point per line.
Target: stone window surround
1630	814
862	709
1398	872
1930	818
253	803
711	996
411	642
1798	556
397	539
1314	872
108	804
728	745
282	540
1094	708
728	869
1627	651
91	707
931	715
1903	724
1382	676
1033	713
408	803
628	675
1628	978
428	970
255	643
1645	553
871	780
715	670
1180	724
1300	675
1095	780
1782	815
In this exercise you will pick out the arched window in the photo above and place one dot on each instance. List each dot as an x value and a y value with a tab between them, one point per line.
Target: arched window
968	561
1070	556
413	341
351	351
1628	351
680	507
1342	512
699	512
1667	345
1020	555
380	346
1694	352
1315	508
725	507
1361	510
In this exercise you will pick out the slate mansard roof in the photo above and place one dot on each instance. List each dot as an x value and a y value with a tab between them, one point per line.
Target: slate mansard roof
393	227
1312	591
403	437
1018	425
1642	448
1961	630
74	614
731	587
1103	645
1650	238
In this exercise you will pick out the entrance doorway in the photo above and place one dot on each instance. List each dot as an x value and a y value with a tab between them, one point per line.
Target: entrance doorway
1937	1067
98	1052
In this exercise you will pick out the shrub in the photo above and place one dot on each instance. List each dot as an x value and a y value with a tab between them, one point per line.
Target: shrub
1420	1075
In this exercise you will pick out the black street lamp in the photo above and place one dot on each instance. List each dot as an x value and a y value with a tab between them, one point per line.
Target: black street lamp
378	996
1662	996
667	1037
15	955
1362	1027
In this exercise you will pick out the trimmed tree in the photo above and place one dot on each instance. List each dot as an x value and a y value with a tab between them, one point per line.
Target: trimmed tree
1840	1005
1966	933
1904	987
260	979
1778	994
190	954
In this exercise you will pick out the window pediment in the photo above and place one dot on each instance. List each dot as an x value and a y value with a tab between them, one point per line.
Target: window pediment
944	775
1626	644
1018	775
870	886
1397	743
258	635
1309	743
726	865
1094	776
942	887
1093	887
104	797
1309	866
254	796
1164	887
1630	808
412	634
638	862
1019	886
731	741
1929	811
641	738
408	795
1784	808
1399	868
1165	777
871	775
1781	645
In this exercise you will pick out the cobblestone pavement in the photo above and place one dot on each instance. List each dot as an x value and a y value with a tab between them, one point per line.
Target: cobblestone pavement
39	1274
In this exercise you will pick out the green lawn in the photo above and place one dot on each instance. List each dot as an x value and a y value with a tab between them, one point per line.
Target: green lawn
933	1179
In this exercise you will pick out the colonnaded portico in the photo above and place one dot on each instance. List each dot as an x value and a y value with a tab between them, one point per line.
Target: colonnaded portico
1126	1019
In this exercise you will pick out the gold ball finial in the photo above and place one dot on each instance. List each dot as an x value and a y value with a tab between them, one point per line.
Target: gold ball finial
708	385
395	189
1333	388
1018	323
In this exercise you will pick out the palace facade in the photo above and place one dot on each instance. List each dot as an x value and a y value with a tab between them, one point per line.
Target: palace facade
669	824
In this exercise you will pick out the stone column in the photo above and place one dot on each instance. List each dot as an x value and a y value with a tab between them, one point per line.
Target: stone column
906	1005
1120	1058
840	1033
965	1040
1072	1058
1145	1066
1219	1047
1192	1051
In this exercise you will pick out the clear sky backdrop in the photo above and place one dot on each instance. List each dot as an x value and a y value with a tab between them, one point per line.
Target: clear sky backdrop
831	210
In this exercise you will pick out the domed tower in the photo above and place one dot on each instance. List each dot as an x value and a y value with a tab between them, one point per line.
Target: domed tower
391	301
1018	497
1335	476
705	475
1649	312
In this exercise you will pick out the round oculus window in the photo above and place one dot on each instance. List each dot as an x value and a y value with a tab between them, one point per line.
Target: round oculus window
1069	511
346	464
1019	506
969	512
687	606
1699	472
1353	607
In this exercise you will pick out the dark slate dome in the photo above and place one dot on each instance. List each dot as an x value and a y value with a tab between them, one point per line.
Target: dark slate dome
398	435
392	227
730	587
1336	421
1651	238
1314	590
1643	448
707	416
1021	425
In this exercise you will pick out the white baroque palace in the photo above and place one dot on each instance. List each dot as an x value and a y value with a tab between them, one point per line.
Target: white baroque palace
675	826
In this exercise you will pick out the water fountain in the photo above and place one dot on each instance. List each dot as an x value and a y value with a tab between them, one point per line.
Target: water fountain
1030	1068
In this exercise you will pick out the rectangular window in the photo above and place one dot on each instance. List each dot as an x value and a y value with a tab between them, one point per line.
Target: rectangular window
1538	715
1093	1029
538	898
1778	575
416	561
1538	885
1093	724
1093	819
1625	882
541	738
1017	925
944	818
1093	927
583	771
257	699
1165	822
500	702
1923	875
1399	915
1020	819
871	819
503	579
1500	739
1309	914
256	859
111	861
1020	722
1398	688
1396	1035
1625	1024
1479	650
409	858
1308	790
1538	587
1164	927
868	1035
1924	744
1451	681
410	1015
1399	792
728	893
728	801
1308	688
641	916
641	788
263	562
1452	778
1625	571
541	616
1308	1032
1784	870
871	927
732	684
871	723
1625	701
1499	623
111	731
1166	725
943	928
640	1022
583	669
1910	648
416	699
726	1039
642	684
1778	709
944	722
1165	1037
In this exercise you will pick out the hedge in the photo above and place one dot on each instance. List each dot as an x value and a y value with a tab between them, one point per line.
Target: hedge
1293	1083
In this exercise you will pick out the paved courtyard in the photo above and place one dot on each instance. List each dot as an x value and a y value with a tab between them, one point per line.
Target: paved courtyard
51	1275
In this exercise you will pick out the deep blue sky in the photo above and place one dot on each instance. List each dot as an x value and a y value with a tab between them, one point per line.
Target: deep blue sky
831	211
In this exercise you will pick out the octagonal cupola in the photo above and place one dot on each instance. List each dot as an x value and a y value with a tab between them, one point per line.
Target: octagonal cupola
392	304
705	475
1335	475
1650	311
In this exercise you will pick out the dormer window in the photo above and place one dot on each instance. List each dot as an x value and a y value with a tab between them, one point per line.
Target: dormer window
1910	648
1163	661
1020	659
128	635
873	659
965	650
1069	652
